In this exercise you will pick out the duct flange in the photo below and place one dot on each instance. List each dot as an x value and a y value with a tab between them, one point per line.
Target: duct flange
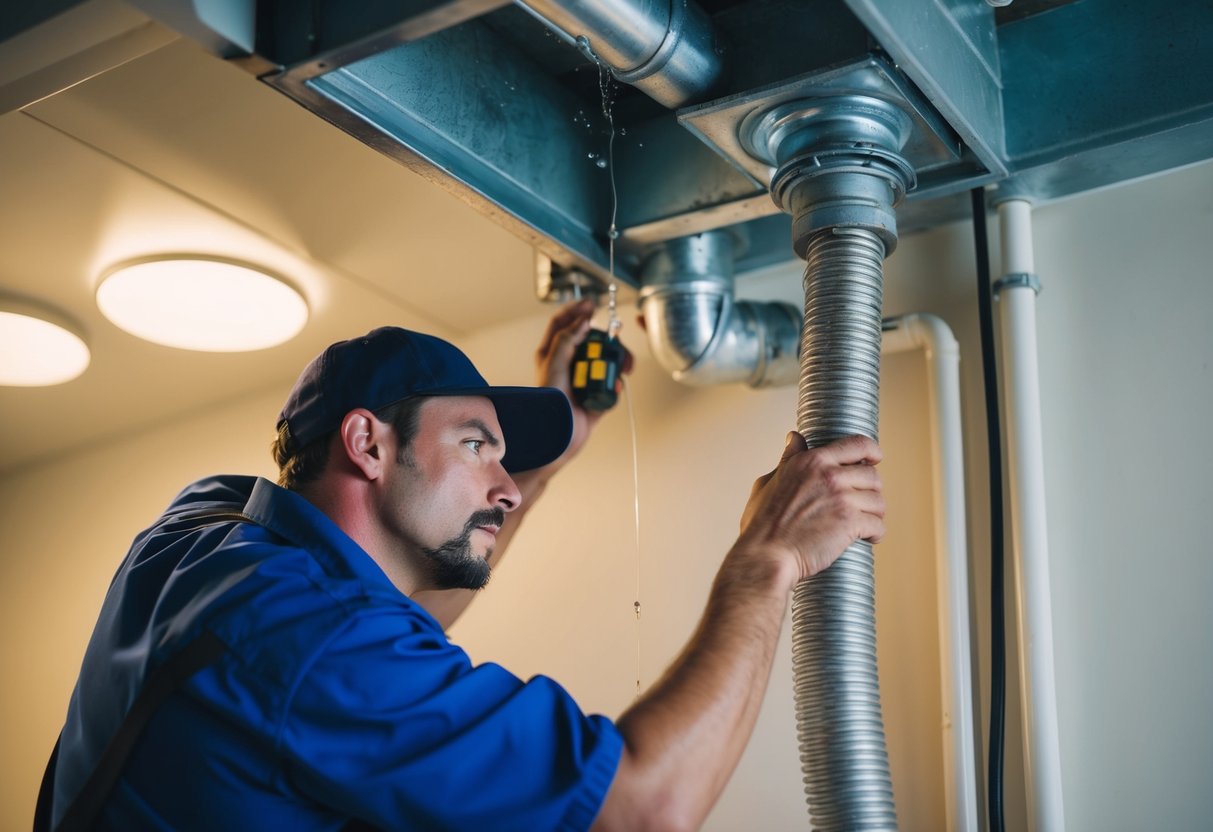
931	144
839	163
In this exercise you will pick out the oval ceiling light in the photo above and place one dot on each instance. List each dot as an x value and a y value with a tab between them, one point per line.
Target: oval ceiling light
38	346
202	303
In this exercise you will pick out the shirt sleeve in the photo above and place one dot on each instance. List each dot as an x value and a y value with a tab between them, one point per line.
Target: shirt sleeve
392	724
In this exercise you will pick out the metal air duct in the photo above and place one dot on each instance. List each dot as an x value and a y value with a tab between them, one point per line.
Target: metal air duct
698	332
665	49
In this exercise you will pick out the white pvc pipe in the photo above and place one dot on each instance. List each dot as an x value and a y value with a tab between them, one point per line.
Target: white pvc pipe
1029	532
952	571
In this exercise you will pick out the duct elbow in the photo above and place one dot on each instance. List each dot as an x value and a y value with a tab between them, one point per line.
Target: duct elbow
698	333
703	337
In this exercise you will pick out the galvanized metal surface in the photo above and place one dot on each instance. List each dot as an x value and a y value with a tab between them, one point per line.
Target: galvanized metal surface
944	63
1104	73
315	37
699	333
949	49
691	172
461	102
930	144
668	50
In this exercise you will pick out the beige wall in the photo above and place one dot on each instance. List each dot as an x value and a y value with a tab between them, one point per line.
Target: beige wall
1125	350
561	605
1126	346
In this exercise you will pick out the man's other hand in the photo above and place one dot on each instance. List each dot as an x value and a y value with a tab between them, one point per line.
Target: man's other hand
566	330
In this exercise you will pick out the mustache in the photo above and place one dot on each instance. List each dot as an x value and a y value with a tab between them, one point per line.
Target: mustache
486	517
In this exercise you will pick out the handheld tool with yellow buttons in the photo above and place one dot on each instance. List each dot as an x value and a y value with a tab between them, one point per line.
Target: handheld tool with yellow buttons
596	371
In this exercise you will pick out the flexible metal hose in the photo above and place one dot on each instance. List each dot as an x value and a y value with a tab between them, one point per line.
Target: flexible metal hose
841	732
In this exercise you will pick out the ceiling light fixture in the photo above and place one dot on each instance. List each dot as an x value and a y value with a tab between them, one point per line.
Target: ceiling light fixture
195	302
38	346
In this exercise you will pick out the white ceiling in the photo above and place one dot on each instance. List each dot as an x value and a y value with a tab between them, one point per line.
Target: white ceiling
162	148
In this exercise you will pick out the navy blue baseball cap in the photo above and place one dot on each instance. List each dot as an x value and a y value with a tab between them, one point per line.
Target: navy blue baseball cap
390	364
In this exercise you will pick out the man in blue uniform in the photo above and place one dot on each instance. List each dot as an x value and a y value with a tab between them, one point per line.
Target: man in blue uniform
274	657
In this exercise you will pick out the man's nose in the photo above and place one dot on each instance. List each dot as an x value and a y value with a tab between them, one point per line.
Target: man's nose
505	493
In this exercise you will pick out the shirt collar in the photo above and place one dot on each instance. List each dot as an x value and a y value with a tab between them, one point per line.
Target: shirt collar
292	517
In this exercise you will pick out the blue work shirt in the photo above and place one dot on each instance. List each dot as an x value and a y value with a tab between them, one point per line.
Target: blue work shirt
337	698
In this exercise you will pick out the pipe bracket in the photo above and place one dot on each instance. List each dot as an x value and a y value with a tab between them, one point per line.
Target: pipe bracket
1018	280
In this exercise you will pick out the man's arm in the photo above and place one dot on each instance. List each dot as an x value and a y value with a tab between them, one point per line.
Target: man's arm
684	737
565	331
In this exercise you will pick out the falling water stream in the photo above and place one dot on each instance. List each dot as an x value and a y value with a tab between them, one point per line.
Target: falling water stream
606	86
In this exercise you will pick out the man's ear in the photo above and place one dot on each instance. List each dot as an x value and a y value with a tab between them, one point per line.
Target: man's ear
362	440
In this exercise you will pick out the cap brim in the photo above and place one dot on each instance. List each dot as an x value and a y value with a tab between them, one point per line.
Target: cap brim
536	422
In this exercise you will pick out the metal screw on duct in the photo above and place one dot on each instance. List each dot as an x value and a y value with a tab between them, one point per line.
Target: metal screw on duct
840	176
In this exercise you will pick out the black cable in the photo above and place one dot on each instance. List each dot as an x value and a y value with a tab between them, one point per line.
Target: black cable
998	657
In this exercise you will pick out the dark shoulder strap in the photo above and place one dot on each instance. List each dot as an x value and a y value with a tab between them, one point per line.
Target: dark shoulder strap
199	519
157	687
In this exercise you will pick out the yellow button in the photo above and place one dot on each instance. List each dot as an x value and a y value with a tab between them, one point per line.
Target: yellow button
593	350
579	373
598	370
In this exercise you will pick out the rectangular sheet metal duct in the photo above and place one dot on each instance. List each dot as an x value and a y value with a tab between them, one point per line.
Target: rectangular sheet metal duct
1047	98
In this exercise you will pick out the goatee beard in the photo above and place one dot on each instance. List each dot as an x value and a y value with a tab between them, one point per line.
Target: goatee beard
452	565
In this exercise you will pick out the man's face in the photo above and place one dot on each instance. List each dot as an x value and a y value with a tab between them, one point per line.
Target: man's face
447	494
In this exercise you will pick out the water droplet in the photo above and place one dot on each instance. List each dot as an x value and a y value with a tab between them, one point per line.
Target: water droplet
602	163
613	233
591	155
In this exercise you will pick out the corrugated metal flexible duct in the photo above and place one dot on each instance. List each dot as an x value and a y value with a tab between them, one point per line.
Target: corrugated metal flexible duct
839	176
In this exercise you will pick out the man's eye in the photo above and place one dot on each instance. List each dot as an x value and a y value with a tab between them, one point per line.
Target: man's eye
474	445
